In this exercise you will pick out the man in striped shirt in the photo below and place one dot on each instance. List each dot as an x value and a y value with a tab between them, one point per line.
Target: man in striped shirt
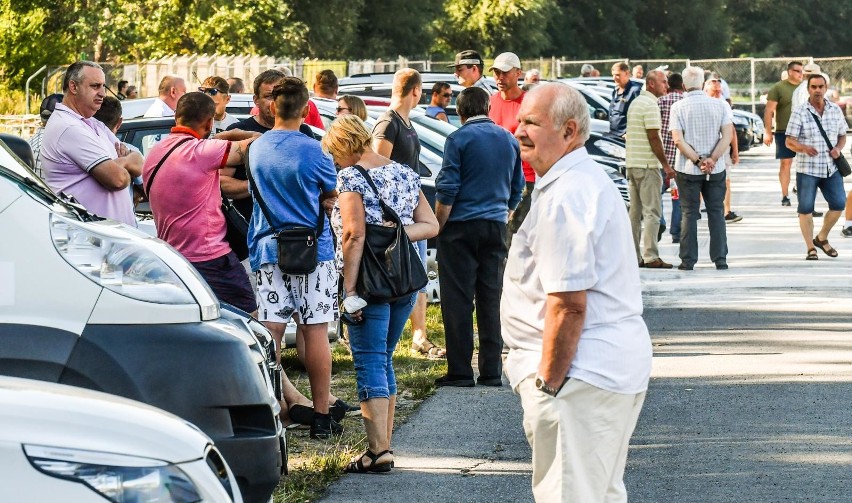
699	126
645	155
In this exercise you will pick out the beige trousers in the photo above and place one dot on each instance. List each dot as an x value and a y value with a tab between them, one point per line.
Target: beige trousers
579	441
645	185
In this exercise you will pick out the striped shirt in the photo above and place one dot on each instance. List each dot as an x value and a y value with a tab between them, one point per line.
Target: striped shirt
804	129
700	119
643	114
665	103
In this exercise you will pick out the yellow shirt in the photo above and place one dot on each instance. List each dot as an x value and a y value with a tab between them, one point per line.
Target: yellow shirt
644	114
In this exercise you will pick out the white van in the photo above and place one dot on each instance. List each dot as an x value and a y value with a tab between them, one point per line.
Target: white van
93	303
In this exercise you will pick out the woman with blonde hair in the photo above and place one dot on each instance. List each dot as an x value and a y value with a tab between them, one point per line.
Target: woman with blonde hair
374	327
354	105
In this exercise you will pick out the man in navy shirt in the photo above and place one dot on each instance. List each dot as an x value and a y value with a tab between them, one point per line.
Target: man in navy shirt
479	184
625	92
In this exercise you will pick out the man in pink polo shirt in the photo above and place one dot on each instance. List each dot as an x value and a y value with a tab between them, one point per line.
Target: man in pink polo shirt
187	202
80	156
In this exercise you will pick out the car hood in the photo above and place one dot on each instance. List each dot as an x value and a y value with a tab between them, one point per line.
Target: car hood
55	415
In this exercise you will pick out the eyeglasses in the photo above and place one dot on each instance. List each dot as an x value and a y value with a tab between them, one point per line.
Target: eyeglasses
212	91
340	109
447	95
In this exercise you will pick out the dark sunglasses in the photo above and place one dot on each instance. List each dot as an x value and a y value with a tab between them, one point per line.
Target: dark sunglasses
447	95
340	109
212	91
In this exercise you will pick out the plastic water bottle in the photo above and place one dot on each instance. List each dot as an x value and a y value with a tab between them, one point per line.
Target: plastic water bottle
673	188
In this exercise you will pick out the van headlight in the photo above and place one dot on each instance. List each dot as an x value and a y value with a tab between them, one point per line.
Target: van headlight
114	476
118	263
611	149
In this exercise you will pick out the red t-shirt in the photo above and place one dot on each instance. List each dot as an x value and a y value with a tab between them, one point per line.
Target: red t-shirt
185	197
314	119
504	113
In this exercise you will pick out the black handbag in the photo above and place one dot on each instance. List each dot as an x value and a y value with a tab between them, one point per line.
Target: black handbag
840	163
297	246
390	265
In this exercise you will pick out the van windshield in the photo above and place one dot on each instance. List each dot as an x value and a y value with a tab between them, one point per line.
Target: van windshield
17	172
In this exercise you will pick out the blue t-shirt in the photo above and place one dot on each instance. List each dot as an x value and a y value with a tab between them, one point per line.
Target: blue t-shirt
291	171
433	111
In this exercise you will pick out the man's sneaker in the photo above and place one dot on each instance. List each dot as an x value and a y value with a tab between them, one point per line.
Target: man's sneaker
324	426
489	381
675	239
816	214
785	201
684	267
847	232
732	217
722	266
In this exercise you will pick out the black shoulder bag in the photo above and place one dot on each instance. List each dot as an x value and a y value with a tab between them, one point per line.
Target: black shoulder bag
237	226
297	246
840	163
390	265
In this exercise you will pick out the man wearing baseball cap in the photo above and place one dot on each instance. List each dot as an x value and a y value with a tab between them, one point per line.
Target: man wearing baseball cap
468	70
504	112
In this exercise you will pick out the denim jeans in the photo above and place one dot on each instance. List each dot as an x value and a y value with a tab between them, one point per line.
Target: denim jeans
373	342
676	216
831	188
691	188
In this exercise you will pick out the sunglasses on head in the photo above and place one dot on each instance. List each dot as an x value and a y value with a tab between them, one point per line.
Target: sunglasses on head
212	91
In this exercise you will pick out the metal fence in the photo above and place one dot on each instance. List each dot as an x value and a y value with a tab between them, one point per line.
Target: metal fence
748	78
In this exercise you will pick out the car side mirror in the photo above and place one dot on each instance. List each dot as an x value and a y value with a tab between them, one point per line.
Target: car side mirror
601	115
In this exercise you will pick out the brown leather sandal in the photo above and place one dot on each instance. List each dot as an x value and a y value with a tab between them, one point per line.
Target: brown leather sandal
825	247
429	350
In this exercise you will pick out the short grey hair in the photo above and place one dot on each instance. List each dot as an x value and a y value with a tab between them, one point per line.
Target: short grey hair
75	73
586	69
567	104
693	77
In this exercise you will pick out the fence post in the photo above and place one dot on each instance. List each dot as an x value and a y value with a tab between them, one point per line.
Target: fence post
553	67
753	106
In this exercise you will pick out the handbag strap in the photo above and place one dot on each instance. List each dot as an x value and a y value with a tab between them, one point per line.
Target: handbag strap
160	165
821	130
256	194
387	211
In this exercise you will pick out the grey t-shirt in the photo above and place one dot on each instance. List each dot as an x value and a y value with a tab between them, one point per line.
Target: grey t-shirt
406	144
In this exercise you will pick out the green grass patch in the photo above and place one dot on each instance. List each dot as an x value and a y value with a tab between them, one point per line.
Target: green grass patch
315	464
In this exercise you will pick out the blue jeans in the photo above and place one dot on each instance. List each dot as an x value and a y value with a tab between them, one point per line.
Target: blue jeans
373	342
831	188
676	216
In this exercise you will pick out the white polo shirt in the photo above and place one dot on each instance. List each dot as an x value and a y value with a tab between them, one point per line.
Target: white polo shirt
159	109
577	237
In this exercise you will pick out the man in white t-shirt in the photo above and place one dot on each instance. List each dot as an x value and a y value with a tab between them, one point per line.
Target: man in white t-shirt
170	90
571	310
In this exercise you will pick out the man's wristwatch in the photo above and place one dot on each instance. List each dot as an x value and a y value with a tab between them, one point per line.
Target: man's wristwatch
697	162
544	388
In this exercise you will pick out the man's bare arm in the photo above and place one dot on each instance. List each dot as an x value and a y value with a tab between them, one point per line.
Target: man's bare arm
236	135
442	213
684	147
112	174
564	316
723	143
237	154
767	122
657	148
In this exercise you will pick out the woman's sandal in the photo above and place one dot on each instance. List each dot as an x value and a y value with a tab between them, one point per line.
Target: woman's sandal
357	466
825	247
812	254
429	350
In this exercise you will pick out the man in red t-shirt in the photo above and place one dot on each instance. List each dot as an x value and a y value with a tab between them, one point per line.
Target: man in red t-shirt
186	199
504	112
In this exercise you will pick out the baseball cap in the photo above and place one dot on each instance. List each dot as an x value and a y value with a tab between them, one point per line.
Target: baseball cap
505	62
812	68
467	57
48	105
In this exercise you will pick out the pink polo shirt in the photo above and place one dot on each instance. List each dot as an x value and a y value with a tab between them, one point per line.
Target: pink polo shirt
185	196
71	147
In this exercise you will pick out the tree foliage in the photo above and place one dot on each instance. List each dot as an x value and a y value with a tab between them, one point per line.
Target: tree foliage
38	32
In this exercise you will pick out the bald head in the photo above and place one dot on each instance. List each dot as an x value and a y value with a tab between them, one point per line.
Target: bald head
171	88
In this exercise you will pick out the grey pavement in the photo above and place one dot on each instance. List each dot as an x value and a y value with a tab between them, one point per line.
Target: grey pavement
748	399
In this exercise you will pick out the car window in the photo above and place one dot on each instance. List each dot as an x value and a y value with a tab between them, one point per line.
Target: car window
145	139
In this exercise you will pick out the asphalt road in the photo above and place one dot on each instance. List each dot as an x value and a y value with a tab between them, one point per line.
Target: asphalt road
749	396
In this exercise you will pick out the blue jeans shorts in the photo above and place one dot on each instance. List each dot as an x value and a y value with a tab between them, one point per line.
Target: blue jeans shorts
373	342
831	188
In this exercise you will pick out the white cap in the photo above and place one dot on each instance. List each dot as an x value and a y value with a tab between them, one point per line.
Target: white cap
506	61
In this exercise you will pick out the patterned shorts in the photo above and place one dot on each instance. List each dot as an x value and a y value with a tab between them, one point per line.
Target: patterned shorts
313	297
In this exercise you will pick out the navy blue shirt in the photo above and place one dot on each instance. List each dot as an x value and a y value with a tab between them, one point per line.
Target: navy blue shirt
481	177
619	105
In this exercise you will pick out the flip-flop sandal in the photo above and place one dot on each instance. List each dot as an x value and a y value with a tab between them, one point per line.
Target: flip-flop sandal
825	247
812	254
429	350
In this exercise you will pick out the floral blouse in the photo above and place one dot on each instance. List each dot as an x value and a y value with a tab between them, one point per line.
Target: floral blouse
398	185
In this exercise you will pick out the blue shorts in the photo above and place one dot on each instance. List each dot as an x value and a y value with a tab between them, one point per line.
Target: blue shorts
831	188
781	150
229	281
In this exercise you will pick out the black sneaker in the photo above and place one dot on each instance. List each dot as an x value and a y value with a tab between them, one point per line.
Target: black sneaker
489	381
785	201
847	232
722	266
732	217
660	232
324	426
816	214
454	381
684	267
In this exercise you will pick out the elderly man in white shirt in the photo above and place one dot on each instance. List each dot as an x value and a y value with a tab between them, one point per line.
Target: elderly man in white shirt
571	311
170	90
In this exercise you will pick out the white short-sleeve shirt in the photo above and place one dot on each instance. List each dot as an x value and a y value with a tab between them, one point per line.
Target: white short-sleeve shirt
159	109
577	237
